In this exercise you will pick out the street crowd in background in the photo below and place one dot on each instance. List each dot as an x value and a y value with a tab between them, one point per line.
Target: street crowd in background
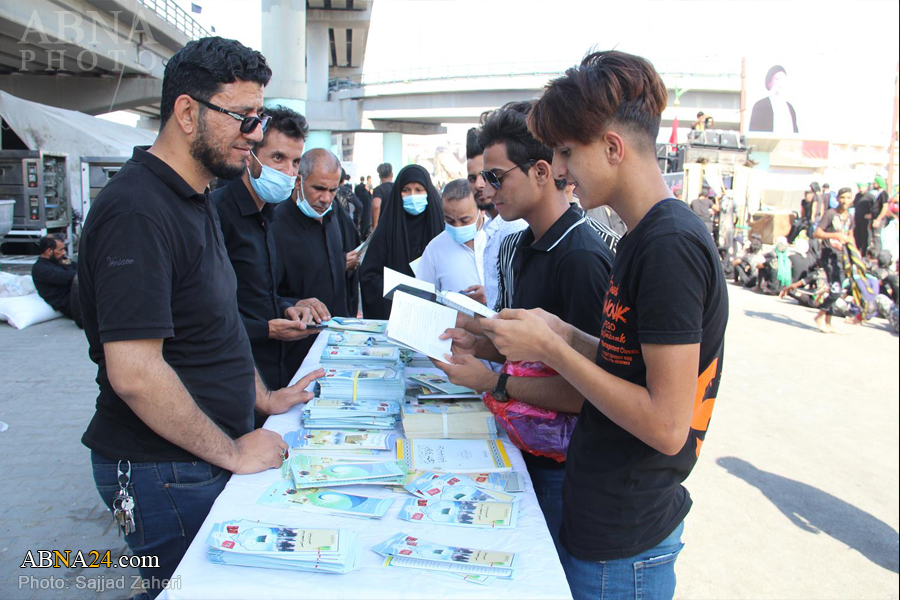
200	307
840	255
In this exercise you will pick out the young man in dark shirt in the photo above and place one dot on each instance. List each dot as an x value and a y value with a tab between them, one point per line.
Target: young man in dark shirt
365	218
159	299
246	210
382	193
559	253
651	378
54	278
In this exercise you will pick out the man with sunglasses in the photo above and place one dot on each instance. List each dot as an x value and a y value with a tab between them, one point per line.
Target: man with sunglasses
496	229
177	381
561	265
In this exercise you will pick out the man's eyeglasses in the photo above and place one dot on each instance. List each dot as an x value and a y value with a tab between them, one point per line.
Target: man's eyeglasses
493	179
248	124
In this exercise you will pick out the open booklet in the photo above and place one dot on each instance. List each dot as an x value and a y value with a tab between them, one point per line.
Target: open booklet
395	281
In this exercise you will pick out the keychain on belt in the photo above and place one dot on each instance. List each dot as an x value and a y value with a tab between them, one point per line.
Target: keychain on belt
123	503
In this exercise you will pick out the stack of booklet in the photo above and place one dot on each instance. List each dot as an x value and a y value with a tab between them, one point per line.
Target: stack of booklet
436	386
460	488
489	515
478	566
329	441
251	544
433	419
328	413
360	355
370	383
283	494
312	471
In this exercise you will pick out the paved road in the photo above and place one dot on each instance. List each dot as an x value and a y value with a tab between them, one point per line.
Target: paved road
795	493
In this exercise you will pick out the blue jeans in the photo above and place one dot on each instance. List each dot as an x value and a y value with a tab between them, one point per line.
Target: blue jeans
171	502
548	485
650	575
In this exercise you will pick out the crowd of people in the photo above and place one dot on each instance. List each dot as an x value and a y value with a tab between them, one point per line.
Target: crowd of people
199	307
840	256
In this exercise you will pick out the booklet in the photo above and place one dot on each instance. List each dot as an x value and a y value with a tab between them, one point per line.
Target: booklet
351	324
252	544
310	471
308	440
395	281
490	515
438	386
453	456
360	354
353	338
460	488
283	494
412	552
417	324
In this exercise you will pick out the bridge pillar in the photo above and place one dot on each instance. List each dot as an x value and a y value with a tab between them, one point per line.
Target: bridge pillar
393	150
284	46
318	49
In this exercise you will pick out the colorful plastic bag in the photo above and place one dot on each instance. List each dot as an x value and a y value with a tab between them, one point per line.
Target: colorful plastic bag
535	430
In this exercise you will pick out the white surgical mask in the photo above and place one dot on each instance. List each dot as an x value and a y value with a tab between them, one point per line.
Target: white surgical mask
415	204
307	209
272	185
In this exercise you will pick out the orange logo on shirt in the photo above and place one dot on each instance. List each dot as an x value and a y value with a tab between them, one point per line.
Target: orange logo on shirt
703	407
616	311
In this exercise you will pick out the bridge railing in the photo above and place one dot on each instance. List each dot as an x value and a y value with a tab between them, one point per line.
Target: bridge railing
669	69
176	16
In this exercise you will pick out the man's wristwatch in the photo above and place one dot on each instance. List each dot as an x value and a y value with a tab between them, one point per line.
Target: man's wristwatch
499	392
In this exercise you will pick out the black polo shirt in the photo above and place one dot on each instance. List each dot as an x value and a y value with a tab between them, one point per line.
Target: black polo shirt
251	249
153	266
311	257
565	273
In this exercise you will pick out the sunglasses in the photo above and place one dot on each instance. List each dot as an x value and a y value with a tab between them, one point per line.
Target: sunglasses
248	124
493	179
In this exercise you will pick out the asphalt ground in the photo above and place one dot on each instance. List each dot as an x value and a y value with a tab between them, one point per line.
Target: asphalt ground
795	491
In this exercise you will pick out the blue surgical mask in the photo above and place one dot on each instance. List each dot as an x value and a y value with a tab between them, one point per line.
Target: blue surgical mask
463	234
272	185
307	209
415	204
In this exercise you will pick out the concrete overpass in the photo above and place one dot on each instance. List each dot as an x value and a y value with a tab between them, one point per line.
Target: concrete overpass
93	57
460	94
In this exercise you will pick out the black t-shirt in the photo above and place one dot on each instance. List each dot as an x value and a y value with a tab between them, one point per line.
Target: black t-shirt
251	249
153	266
53	282
565	273
622	497
701	208
806	208
383	191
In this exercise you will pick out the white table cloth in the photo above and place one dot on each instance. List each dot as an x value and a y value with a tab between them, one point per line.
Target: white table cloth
539	573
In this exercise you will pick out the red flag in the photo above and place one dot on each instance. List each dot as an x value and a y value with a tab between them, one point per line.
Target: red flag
673	139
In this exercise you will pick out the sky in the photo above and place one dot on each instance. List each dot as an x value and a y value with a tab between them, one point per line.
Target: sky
852	47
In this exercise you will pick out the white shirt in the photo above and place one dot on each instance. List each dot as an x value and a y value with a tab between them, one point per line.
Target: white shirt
496	231
451	266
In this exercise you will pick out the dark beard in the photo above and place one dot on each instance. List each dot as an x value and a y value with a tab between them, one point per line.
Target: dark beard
486	207
212	159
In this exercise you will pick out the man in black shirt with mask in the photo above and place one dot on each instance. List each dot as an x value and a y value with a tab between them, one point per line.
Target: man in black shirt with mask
246	210
315	240
54	277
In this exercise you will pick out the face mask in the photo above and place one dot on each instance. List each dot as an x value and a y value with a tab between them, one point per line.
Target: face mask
415	204
463	234
272	185
307	209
